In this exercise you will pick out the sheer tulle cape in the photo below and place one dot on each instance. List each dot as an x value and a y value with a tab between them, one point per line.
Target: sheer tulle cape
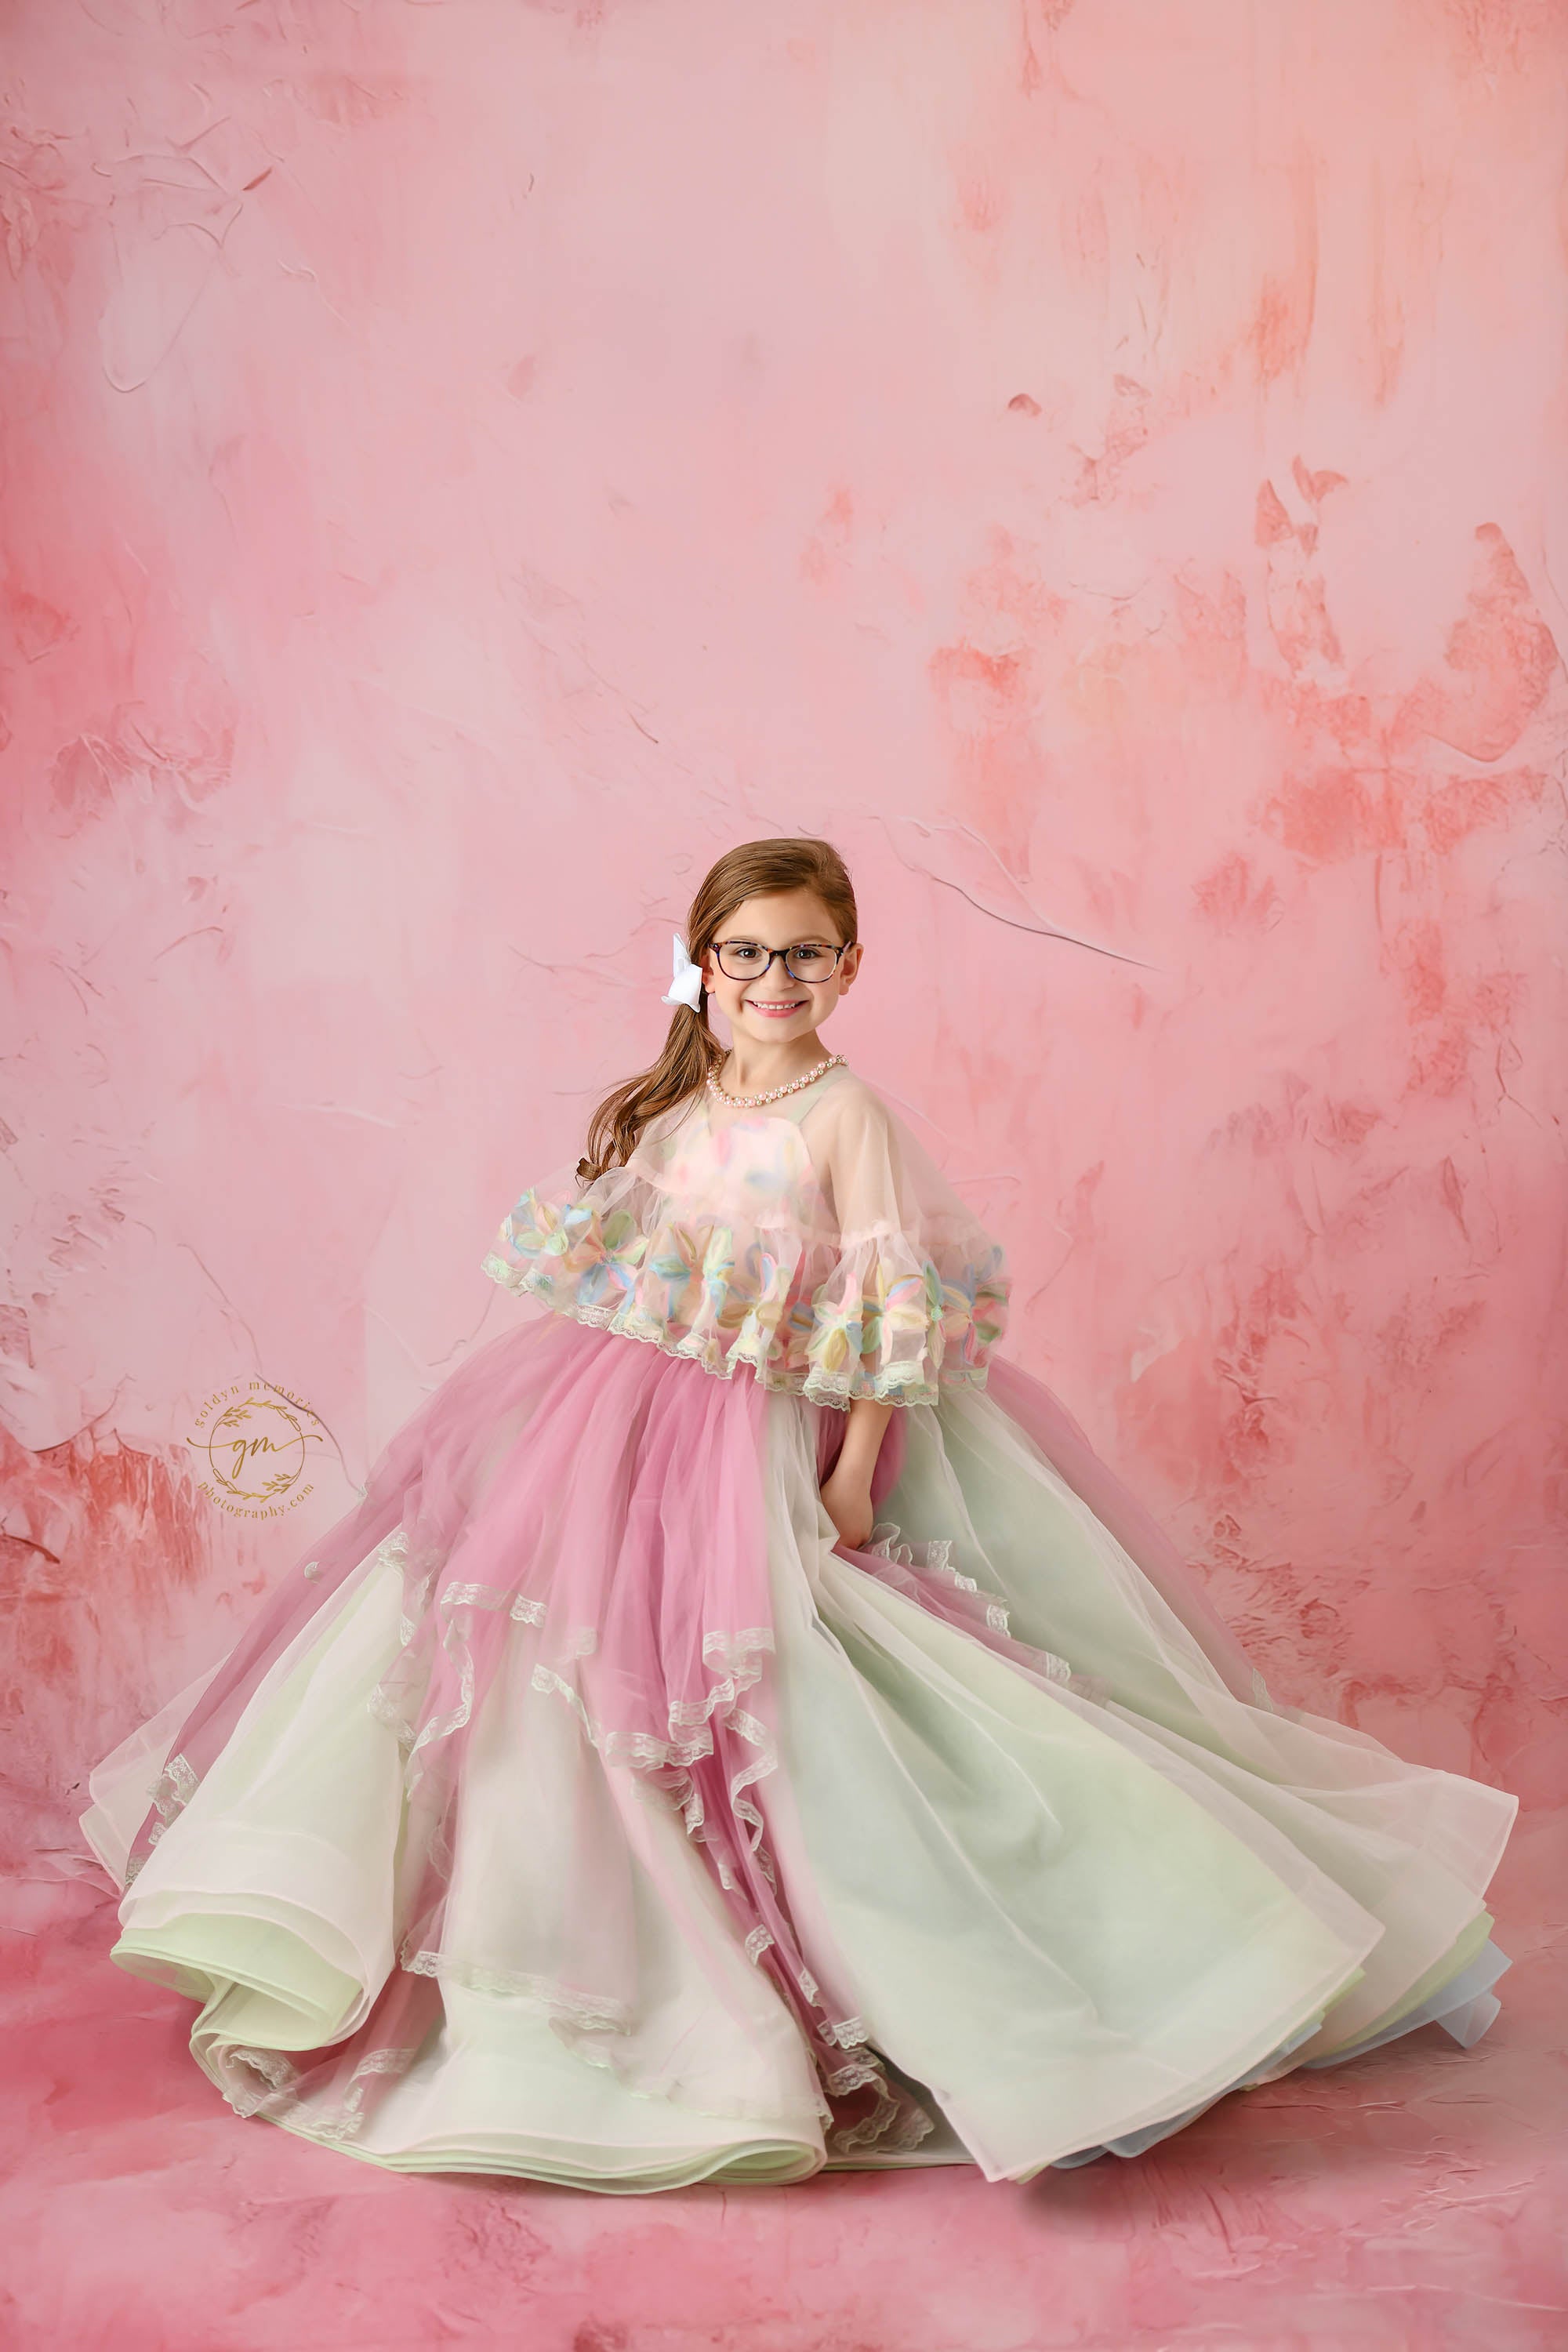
821	1248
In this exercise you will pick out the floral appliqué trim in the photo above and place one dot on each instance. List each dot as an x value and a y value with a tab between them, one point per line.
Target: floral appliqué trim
883	1320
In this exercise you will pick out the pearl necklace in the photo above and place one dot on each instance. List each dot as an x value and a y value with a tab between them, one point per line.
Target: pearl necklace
750	1102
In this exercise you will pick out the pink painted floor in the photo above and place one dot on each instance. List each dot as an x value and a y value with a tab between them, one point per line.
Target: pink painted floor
1414	2200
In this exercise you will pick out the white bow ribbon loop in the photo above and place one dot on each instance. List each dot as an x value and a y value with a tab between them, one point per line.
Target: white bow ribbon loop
686	986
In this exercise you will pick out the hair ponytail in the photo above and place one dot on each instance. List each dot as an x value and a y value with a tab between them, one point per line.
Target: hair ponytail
755	869
691	1051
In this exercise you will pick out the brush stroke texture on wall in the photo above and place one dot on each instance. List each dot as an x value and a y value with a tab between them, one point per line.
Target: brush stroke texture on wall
466	463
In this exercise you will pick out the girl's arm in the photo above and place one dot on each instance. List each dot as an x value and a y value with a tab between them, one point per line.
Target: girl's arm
846	1489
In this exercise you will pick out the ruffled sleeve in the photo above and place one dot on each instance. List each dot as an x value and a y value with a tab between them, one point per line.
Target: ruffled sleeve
917	1294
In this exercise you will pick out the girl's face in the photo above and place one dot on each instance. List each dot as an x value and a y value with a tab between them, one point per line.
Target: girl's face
767	1003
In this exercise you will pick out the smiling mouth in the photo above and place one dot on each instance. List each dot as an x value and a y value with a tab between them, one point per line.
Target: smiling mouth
776	1004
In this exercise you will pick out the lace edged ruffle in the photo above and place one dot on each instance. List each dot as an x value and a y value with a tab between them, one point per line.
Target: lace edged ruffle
897	1337
674	1766
169	1795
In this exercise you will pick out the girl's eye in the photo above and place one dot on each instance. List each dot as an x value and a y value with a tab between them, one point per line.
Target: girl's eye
810	957
740	950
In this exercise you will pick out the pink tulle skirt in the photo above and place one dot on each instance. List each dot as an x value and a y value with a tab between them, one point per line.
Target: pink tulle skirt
580	1807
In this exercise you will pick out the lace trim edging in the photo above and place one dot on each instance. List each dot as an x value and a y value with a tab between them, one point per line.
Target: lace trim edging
817	1387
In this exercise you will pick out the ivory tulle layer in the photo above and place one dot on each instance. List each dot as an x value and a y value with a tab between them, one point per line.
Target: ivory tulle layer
580	1808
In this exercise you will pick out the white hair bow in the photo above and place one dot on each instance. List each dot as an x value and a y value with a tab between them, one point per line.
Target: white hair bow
686	986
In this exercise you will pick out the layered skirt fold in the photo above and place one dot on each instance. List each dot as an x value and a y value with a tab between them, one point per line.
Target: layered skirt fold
581	1808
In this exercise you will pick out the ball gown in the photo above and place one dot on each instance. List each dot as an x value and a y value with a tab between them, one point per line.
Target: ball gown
583	1807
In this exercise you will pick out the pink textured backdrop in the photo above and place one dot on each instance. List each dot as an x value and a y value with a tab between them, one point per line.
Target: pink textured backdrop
466	464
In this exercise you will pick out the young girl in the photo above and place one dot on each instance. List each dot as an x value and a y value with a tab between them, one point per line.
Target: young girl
780	1743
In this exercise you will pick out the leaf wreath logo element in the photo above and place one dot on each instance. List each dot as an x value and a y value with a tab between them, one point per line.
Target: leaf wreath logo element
256	1443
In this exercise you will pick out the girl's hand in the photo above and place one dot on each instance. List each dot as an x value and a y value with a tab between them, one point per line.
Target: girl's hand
847	1502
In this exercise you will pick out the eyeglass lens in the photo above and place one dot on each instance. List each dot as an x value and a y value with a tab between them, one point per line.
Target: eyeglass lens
743	960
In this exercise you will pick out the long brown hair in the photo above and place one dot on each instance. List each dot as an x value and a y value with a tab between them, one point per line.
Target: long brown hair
690	1050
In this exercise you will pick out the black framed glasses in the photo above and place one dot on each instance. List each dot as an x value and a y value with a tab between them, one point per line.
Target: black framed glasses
812	960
